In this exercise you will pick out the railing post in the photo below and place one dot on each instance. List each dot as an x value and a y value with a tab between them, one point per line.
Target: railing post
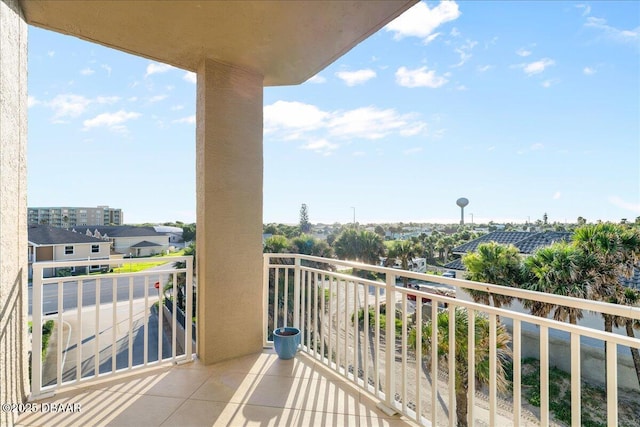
296	292
390	347
188	347
36	331
265	299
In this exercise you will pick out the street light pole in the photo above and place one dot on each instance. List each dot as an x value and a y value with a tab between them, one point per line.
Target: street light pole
354	216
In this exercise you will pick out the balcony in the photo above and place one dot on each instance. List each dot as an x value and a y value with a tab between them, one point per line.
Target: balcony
344	373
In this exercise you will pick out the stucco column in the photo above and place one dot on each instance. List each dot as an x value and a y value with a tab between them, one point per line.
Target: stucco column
229	211
14	379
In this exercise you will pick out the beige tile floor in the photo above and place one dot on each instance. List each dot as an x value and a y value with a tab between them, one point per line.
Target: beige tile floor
259	390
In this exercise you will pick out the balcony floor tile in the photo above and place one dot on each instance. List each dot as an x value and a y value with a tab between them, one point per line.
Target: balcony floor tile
258	389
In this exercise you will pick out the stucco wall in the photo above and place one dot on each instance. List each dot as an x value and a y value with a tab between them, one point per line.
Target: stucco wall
13	207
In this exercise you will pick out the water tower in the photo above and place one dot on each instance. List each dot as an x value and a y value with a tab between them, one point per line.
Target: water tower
462	202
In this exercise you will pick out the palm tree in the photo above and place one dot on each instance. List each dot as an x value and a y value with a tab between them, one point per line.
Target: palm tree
346	245
370	247
461	352
617	251
496	264
404	251
559	269
447	244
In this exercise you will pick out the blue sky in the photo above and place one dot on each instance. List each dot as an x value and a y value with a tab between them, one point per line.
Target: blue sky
522	107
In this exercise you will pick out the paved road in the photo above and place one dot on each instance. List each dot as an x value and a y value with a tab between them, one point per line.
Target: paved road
105	287
102	339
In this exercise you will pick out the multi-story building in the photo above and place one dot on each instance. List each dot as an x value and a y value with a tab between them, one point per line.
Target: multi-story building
66	217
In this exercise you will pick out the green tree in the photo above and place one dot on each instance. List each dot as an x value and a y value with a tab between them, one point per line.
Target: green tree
371	247
559	269
461	354
305	225
617	251
346	245
403	251
189	232
359	245
495	264
276	244
309	245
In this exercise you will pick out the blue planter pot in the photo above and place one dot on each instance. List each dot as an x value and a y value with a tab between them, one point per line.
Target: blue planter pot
286	342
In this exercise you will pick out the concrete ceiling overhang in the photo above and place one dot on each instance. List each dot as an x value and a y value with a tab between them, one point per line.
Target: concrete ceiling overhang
286	41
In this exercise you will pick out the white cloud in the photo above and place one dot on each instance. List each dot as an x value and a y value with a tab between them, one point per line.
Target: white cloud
421	22
107	99
157	68
287	121
523	52
461	87
372	123
420	77
454	32
318	79
484	68
586	9
321	146
68	105
106	68
549	82
293	115
190	77
412	151
537	66
177	107
431	38
621	203
613	33
537	146
132	99
589	71
87	71
414	129
465	52
352	78
189	119
51	53
31	101
157	98
557	195
110	120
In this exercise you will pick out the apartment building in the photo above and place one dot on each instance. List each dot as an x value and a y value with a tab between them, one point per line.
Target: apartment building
65	217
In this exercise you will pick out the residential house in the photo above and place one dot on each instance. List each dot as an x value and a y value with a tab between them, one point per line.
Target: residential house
174	233
130	240
527	243
48	243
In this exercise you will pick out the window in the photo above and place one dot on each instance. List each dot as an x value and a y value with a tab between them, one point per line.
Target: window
95	248
68	250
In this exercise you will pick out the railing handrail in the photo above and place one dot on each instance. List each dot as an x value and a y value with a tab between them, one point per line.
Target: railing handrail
324	304
111	281
580	303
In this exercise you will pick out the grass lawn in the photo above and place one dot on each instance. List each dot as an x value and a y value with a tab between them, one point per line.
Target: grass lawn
135	267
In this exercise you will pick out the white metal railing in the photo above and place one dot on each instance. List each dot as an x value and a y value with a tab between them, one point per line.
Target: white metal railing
341	319
110	323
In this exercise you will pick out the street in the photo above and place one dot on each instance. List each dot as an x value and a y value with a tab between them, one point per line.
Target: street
105	285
